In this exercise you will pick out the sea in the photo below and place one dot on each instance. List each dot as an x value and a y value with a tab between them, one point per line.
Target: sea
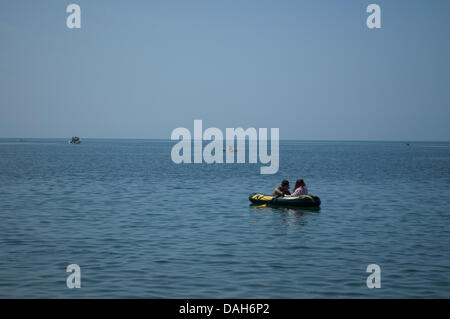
140	226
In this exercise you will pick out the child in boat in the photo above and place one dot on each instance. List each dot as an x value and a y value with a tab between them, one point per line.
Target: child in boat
299	188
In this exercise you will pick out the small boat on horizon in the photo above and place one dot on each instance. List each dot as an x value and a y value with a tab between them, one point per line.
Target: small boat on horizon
75	140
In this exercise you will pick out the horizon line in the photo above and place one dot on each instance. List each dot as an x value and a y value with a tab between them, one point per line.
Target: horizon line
284	139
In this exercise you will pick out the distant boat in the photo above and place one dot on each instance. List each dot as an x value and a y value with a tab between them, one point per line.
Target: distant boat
75	140
407	144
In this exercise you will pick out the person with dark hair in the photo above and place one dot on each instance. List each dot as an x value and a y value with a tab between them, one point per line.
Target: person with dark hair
299	188
282	190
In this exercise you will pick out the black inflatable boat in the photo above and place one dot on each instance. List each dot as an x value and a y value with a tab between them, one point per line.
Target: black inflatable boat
300	201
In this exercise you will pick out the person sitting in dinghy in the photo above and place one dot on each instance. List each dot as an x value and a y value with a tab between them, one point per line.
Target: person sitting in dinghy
299	189
282	190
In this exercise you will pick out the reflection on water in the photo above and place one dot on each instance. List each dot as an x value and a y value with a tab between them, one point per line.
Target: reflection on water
295	216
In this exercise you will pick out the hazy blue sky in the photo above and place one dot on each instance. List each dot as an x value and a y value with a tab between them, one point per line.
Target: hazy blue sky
142	68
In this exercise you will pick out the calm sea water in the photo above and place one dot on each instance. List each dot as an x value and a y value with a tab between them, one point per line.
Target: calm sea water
140	226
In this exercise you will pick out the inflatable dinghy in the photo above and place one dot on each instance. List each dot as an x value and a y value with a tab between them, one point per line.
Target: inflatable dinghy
300	201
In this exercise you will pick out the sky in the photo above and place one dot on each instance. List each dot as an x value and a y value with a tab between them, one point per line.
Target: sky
140	69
